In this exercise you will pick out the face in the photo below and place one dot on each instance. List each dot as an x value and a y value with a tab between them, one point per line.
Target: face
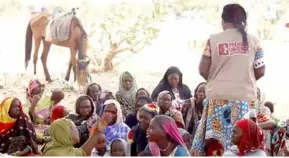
14	110
100	145
139	104
141	93
187	139
117	148
74	134
127	83
93	92
154	132
85	108
144	120
236	135
174	80
201	95
165	102
110	108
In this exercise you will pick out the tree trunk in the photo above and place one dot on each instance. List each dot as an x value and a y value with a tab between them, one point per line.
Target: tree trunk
108	65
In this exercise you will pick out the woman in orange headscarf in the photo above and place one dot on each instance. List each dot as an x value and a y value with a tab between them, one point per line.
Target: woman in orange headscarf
17	135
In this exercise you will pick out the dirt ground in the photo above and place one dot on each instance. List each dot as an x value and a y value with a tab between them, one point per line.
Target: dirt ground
171	48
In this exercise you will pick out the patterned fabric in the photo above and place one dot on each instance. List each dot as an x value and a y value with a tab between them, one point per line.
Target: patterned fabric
218	119
117	130
259	58
177	116
124	97
21	134
279	142
43	109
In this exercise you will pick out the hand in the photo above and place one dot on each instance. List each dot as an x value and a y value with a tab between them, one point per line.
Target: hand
107	117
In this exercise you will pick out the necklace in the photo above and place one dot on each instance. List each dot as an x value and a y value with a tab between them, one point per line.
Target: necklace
166	147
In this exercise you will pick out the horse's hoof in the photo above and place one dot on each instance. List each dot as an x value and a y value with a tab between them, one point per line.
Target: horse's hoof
49	80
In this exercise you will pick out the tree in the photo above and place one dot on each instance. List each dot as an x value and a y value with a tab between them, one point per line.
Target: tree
125	27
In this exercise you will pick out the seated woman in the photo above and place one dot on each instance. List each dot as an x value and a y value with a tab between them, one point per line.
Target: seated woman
119	148
131	119
194	112
84	117
102	97
126	93
165	99
116	128
141	92
17	135
42	102
65	135
138	134
248	140
173	82
93	90
164	138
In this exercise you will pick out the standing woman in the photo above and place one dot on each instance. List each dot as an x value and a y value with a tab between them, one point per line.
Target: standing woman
231	64
173	82
126	93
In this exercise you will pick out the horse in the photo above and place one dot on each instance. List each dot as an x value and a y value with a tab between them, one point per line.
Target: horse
77	42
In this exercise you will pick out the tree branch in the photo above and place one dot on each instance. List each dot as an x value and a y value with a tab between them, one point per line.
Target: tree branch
121	41
109	39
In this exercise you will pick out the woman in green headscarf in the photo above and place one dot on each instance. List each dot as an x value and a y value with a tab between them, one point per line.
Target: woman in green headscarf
64	135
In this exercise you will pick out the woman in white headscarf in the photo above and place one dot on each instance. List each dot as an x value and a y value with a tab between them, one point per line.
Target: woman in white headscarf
116	128
119	147
126	93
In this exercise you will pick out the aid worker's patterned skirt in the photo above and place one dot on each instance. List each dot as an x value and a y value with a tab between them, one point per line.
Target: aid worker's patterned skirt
217	122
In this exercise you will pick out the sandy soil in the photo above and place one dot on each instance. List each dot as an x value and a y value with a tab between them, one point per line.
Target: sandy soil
171	48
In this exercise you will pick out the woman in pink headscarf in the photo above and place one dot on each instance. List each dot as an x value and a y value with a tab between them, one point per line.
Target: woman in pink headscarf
164	138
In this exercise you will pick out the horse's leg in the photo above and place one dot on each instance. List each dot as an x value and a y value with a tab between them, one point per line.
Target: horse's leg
73	61
37	41
67	76
46	48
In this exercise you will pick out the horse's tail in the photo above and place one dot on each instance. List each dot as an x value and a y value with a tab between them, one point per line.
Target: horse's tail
28	44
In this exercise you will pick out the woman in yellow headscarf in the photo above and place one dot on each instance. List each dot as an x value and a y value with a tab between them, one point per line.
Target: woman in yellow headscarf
64	135
17	135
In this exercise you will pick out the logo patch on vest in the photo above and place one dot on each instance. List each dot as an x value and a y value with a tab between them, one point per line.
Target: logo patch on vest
232	48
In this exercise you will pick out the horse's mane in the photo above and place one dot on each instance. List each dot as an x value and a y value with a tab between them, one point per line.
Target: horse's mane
78	23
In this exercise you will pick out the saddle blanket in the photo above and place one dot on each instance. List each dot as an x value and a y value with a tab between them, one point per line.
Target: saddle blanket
58	27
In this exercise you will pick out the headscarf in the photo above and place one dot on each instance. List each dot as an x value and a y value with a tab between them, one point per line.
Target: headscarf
170	128
57	113
117	130
128	95
152	109
80	99
61	140
172	70
7	122
141	89
162	94
33	84
252	137
125	146
90	85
